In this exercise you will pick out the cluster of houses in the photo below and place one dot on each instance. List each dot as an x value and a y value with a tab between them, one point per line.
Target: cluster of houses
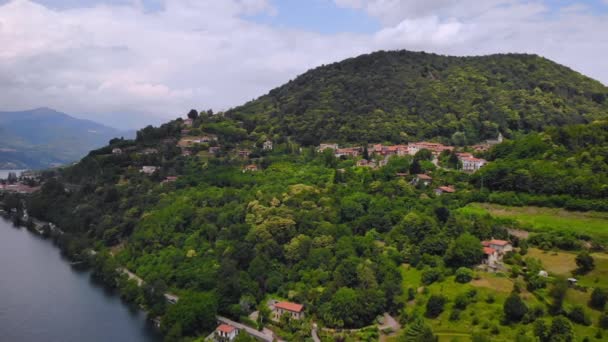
494	251
19	188
228	331
469	162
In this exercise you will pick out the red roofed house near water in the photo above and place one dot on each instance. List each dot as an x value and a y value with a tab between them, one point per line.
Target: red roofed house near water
295	311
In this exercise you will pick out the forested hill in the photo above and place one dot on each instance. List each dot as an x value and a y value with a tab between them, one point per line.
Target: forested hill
401	95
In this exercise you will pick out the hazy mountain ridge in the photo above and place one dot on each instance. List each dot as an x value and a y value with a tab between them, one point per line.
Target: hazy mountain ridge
43	137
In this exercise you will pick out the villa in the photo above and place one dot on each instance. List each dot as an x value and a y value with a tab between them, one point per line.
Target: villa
294	310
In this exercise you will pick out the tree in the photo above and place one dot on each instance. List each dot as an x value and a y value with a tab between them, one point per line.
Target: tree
598	299
194	311
585	262
464	275
464	251
418	331
343	309
435	306
193	114
603	320
514	308
561	330
578	315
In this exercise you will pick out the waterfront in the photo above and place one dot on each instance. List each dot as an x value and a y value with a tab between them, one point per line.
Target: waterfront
42	298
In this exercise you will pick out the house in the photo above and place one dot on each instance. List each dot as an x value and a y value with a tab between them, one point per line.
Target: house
169	179
225	333
185	131
472	164
294	310
214	149
399	150
148	151
501	246
244	153
490	257
413	148
422	178
444	189
267	145
366	163
188	122
148	169
186	153
208	138
116	150
250	168
347	152
171	299
325	146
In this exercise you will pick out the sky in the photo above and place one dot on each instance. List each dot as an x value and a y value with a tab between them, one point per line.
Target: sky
128	63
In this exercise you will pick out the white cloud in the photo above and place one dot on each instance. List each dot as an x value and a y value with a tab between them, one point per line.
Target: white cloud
112	59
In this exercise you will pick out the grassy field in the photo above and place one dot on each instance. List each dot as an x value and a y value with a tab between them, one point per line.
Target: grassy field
484	316
594	224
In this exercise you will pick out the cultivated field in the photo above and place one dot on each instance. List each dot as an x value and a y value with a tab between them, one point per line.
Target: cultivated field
593	224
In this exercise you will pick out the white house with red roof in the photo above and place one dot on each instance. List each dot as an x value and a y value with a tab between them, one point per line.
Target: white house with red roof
444	189
294	310
422	178
470	163
225	333
494	250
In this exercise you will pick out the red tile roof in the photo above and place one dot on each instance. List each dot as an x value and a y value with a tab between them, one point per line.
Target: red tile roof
499	242
289	306
488	251
225	328
447	189
423	176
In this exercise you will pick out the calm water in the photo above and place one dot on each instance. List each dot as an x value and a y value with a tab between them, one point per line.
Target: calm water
4	173
42	298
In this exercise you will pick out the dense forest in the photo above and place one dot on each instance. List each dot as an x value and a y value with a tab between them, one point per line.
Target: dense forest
227	231
402	96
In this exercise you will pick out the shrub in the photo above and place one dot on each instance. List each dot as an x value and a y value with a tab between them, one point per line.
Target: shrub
431	275
585	262
603	320
435	306
514	308
455	315
598	299
578	315
464	275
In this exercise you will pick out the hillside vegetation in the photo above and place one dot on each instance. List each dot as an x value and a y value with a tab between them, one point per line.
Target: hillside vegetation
402	96
203	209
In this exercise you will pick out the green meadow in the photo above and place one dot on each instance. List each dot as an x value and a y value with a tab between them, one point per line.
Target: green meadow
593	224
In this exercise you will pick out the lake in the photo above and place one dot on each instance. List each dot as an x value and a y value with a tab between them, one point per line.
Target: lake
42	298
4	173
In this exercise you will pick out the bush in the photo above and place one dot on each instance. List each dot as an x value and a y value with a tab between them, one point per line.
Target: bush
431	275
435	306
603	321
598	299
585	262
514	308
578	315
464	275
455	315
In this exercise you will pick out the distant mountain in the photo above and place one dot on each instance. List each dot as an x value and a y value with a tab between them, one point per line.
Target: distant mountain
401	96
43	137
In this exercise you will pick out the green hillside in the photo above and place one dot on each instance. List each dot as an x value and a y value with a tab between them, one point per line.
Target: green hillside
204	210
402	96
